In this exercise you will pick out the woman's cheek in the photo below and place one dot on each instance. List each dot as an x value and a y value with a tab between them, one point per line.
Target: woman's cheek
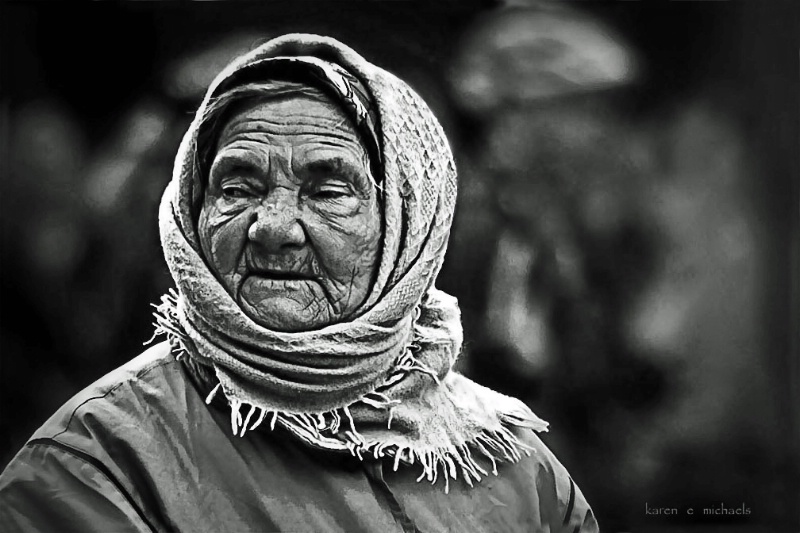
345	248
349	217
227	237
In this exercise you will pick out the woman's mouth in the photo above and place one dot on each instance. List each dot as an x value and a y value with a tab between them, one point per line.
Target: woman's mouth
282	275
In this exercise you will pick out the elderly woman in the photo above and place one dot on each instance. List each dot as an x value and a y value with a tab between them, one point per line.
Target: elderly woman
306	382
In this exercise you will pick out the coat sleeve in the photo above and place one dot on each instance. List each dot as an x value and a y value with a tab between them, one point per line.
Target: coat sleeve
578	516
52	487
561	504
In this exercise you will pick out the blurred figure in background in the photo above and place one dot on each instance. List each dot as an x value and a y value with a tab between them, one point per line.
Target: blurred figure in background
700	316
556	175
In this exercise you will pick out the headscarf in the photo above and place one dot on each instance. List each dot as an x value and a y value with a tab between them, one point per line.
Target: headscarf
382	383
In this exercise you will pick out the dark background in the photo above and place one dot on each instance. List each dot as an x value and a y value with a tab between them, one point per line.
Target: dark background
670	368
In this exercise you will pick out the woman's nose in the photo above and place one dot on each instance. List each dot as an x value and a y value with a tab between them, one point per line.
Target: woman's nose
276	225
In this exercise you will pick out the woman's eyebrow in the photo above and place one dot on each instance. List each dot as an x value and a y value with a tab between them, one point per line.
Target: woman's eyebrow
234	160
327	164
242	157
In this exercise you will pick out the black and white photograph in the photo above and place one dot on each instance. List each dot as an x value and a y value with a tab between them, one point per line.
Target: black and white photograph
478	266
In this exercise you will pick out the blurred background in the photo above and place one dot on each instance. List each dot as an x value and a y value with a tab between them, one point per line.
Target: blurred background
626	244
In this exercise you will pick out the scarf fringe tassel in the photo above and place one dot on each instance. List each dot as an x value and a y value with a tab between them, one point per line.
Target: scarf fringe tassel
493	446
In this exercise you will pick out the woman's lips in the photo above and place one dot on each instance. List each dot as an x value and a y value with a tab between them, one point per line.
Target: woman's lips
269	281
282	275
279	268
257	288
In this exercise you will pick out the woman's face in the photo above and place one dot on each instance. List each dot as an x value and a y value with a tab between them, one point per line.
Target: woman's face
290	222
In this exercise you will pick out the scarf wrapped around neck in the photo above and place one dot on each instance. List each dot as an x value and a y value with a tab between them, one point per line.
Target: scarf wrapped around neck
381	384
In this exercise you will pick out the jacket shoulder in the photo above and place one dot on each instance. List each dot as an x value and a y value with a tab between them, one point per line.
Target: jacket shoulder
555	488
114	394
49	488
78	465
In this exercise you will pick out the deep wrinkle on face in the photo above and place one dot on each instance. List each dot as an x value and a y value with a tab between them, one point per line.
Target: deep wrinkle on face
290	221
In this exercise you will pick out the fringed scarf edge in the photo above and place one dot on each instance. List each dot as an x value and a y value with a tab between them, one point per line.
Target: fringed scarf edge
494	445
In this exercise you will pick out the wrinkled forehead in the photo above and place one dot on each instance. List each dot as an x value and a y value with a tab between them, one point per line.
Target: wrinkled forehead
277	109
304	113
295	129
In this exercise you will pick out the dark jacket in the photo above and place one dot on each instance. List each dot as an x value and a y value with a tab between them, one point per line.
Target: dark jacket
139	450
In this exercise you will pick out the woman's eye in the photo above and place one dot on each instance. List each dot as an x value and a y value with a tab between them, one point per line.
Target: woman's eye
235	191
329	193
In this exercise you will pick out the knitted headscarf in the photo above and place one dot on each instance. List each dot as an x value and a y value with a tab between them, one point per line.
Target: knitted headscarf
382	383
